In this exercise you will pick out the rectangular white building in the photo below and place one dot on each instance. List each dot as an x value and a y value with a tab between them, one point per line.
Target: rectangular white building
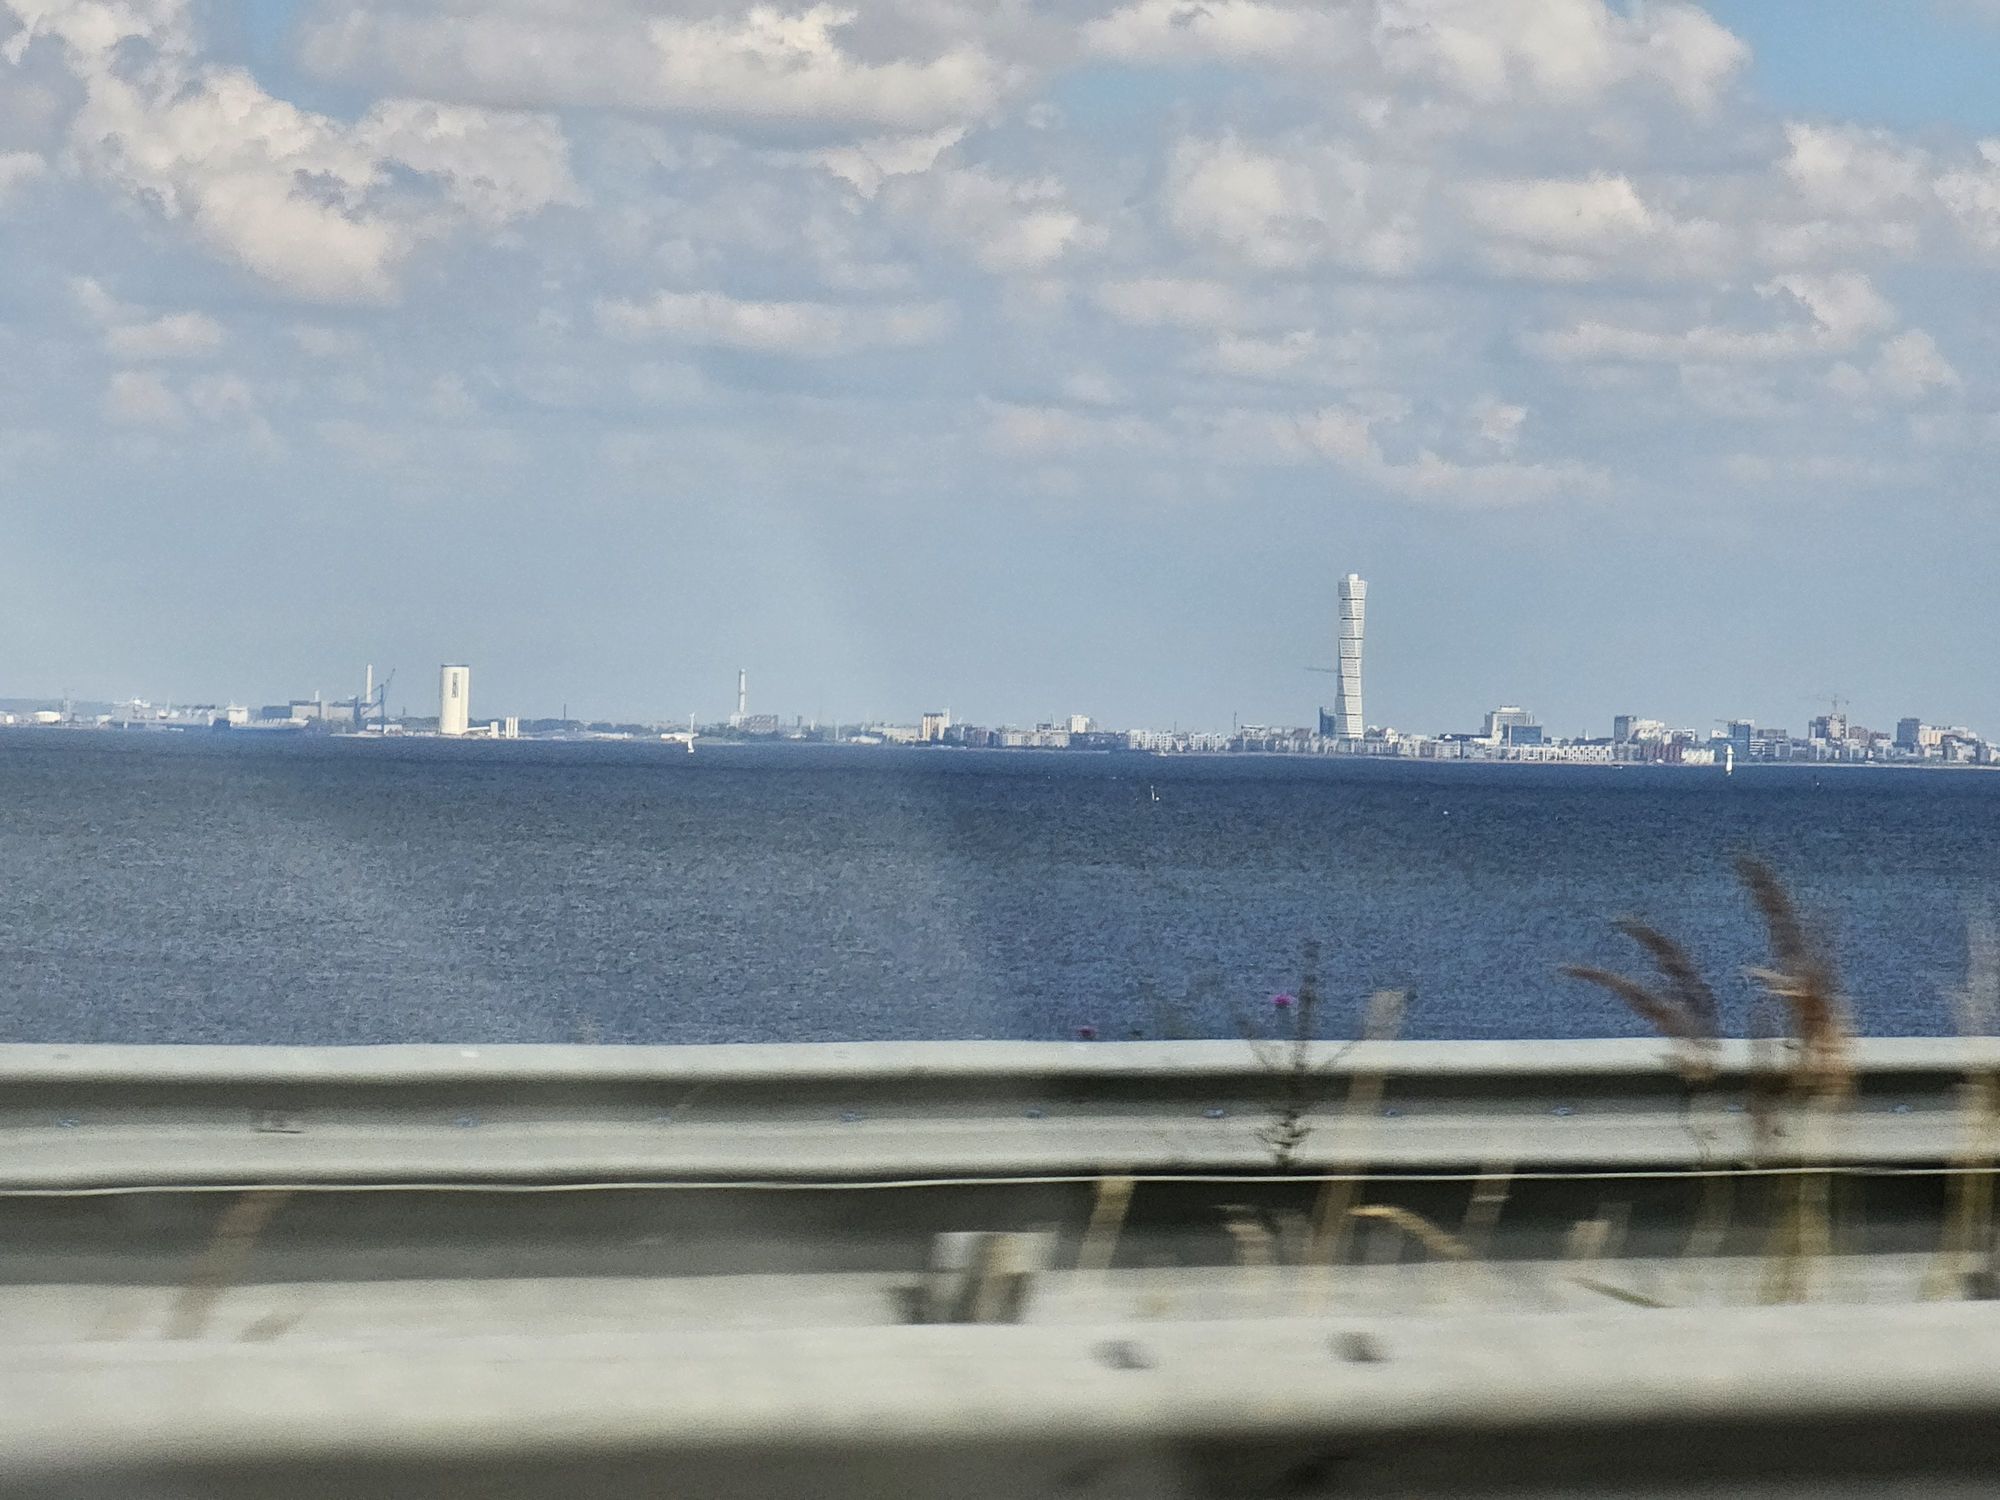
454	699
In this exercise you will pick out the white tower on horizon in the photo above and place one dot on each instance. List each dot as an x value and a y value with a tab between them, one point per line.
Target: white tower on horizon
1348	723
454	699
742	698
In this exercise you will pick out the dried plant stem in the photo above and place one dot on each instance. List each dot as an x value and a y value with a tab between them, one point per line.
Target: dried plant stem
1815	1085
1482	1211
1438	1241
1337	1194
1107	1219
1965	1260
1362	1107
1616	1293
1965	1255
221	1264
1802	1229
1711	1219
1256	1252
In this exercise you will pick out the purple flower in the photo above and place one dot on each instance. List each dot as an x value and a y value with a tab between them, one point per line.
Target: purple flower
1282	1002
1086	1033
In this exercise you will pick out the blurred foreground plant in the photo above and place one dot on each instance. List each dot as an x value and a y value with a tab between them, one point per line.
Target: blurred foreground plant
1799	1093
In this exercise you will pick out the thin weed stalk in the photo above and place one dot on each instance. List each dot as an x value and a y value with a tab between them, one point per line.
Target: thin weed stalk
1111	1202
1683	1010
1815	1084
223	1261
1363	1106
1964	1265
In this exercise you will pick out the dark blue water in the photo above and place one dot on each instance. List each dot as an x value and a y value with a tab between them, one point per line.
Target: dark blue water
322	891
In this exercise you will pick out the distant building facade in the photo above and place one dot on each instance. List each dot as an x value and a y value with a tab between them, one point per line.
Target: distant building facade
454	698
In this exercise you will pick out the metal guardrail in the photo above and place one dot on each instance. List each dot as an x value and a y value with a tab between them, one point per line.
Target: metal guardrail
240	1340
111	1118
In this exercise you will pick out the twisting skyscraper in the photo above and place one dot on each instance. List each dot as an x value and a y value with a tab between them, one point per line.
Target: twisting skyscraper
1348	724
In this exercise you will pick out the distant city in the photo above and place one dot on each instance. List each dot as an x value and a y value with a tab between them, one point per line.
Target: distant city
1507	733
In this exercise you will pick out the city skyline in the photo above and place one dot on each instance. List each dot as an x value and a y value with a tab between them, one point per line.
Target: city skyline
1644	355
1507	725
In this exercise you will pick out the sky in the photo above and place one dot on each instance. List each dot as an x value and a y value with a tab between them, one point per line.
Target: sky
1014	357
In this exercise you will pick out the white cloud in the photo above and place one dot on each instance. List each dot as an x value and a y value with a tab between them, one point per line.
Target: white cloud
1852	172
1095	388
1558	52
760	64
175	336
298	199
1173	302
1585	228
18	167
1907	368
1004	225
141	398
1844	304
1259	358
1972	195
130	335
327	343
497	166
222	396
805	330
1838	309
1285	210
1498	423
1347	438
867	164
1312	35
1037	431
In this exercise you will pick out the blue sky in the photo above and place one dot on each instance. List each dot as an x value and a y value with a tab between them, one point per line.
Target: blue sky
1025	358
1919	65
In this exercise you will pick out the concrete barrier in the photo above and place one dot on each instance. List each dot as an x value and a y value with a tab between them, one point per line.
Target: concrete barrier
1764	1401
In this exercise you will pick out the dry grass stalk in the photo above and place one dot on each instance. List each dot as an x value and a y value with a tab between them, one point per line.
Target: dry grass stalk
1441	1244
1482	1211
1684	1011
1965	1260
1332	1216
1801	979
1255	1245
1816	1081
1292	1064
1590	1241
1107	1220
1616	1293
1438	1241
222	1262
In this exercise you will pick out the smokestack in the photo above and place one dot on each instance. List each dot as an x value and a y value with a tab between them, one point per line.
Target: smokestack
742	695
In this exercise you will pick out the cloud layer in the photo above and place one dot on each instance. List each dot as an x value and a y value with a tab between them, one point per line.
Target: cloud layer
1423	255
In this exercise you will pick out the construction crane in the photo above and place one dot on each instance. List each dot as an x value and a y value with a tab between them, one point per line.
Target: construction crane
374	700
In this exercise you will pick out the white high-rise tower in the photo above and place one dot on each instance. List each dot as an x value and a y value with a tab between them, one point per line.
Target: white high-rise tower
454	699
1348	723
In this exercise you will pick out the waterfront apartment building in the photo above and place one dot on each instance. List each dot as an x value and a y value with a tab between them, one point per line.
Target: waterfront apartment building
1507	723
1630	728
